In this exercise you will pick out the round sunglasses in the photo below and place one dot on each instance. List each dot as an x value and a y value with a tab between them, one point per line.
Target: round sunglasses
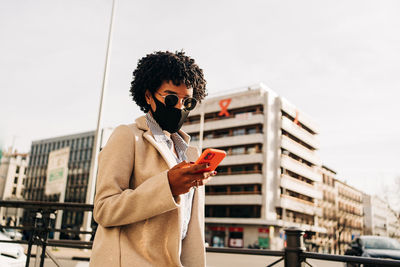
171	100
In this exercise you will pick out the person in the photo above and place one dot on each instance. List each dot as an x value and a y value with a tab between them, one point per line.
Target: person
149	202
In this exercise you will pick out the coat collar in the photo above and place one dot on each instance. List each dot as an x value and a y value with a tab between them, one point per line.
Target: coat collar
191	153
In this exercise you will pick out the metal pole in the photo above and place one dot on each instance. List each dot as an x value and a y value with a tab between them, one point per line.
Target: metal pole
87	219
31	240
294	246
201	131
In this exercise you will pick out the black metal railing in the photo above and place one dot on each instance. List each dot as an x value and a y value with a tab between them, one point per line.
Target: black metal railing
39	223
294	254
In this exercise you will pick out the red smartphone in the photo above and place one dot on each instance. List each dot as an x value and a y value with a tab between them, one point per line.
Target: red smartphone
213	157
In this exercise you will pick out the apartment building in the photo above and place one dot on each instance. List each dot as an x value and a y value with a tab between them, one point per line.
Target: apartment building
349	214
376	211
13	166
379	217
394	224
328	218
268	181
81	147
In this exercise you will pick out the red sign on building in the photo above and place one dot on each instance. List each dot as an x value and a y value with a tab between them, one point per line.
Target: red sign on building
236	229
224	103
263	230
217	228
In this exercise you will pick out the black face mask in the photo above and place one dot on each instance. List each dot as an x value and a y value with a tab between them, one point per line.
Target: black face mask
170	119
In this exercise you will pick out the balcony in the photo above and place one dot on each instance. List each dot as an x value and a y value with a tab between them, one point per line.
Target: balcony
299	150
300	133
239	100
300	168
243	159
295	204
303	118
224	123
300	187
231	140
254	178
228	220
234	200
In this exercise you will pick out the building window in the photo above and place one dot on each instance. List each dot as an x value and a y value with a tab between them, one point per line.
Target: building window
222	170
222	134
237	168
233	211
299	196
209	135
194	137
233	189
193	119
252	150
238	150
14	191
91	141
16	180
240	131
252	130
86	166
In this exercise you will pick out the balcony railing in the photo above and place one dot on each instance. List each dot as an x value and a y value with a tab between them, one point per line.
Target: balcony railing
233	193
41	216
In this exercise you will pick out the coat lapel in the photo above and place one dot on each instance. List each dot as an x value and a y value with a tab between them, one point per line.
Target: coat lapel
192	153
161	147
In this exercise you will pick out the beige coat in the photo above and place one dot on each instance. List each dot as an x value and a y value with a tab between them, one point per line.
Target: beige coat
139	219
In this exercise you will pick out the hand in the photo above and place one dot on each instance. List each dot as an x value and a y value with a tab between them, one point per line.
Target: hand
183	176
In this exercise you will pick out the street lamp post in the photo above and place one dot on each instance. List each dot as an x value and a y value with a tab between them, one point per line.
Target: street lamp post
87	220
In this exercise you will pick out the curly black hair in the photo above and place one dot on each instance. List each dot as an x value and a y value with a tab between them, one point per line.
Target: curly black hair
158	67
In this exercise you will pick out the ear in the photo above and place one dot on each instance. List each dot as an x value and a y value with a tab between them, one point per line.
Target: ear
147	95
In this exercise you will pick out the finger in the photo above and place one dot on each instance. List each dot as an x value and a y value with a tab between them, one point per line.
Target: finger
197	176
204	181
197	167
206	175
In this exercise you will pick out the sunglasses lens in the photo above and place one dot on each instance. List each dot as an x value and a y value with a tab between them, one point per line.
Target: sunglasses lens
171	100
190	103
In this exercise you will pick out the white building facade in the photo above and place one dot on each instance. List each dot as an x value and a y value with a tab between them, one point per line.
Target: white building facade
12	178
12	175
379	218
350	216
268	181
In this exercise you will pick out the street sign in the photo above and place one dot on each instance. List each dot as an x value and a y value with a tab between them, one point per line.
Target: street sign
57	171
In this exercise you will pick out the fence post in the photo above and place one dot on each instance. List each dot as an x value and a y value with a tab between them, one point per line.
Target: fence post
294	246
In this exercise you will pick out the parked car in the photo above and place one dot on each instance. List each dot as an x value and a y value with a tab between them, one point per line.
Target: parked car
11	254
12	233
374	247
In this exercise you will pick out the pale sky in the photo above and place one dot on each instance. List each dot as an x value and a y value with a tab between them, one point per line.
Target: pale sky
336	60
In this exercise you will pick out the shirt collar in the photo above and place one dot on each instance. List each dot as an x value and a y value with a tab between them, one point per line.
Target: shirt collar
155	129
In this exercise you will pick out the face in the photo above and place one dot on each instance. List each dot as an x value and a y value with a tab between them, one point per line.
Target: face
168	88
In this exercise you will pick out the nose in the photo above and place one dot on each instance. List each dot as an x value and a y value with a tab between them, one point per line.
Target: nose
179	105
